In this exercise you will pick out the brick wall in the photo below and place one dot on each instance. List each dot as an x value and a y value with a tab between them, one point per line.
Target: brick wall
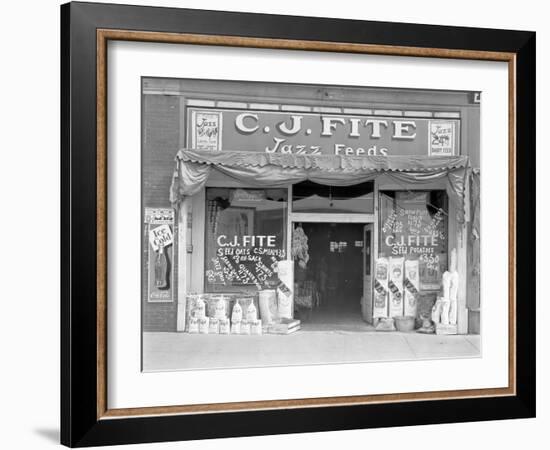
160	142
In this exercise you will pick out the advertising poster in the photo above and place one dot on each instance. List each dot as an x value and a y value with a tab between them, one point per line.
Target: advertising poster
206	130
442	138
160	254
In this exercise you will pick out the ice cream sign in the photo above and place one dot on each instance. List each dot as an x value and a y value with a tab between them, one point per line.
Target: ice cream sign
319	133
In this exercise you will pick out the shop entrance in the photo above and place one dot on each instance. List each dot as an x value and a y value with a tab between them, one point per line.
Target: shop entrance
333	278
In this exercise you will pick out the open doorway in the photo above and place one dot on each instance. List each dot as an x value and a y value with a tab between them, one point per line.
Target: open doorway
330	286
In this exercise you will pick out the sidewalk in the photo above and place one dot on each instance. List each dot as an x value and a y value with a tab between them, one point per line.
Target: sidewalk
180	351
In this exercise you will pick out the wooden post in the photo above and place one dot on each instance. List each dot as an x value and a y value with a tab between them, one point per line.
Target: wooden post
183	241
462	261
289	226
462	267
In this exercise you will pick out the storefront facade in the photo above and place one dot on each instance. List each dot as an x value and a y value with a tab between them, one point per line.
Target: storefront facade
332	197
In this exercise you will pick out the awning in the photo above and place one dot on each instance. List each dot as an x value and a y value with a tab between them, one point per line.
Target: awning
274	170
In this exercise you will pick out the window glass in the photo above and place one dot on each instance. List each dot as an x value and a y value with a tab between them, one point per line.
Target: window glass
414	225
245	238
313	197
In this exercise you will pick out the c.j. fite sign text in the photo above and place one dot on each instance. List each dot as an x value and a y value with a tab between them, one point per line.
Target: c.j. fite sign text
318	133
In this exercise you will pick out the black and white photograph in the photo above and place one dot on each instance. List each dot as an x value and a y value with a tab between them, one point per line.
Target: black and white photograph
291	224
277	225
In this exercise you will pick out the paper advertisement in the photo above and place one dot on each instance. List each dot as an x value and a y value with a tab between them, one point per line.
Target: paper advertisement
395	285
412	284
380	304
207	130
285	296
442	138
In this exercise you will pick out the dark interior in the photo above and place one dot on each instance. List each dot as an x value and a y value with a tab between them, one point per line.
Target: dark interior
335	267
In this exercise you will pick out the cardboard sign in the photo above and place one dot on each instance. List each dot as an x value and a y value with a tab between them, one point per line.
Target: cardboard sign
412	286
206	130
380	304
395	286
160	236
442	138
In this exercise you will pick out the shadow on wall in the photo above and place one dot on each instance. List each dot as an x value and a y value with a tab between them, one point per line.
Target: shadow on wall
49	434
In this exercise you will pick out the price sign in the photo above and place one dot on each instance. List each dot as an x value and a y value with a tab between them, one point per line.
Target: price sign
414	225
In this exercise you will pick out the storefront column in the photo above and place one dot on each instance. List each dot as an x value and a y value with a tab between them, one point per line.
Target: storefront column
289	226
462	254
462	267
184	230
458	233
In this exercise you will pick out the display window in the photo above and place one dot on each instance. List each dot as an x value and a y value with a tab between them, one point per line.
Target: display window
245	238
414	226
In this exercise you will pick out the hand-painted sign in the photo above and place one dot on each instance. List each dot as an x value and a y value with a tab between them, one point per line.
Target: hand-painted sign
244	260
412	226
236	255
320	133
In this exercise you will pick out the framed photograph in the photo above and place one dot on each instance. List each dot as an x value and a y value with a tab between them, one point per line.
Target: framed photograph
323	228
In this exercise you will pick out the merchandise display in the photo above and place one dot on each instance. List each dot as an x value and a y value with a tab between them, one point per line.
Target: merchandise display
204	325
380	307
235	314
193	325
245	327
412	283
285	295
268	305
285	326
225	325
395	285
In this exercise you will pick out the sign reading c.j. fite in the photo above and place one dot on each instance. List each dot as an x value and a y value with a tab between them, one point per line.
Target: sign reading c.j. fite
320	133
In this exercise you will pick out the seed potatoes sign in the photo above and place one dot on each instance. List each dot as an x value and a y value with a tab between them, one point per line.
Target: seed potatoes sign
319	133
408	226
412	228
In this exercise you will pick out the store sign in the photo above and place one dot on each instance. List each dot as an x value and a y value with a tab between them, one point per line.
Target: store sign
412	228
244	260
408	227
236	255
318	133
159	254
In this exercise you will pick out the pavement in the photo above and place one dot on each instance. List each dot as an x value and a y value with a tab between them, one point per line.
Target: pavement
316	345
